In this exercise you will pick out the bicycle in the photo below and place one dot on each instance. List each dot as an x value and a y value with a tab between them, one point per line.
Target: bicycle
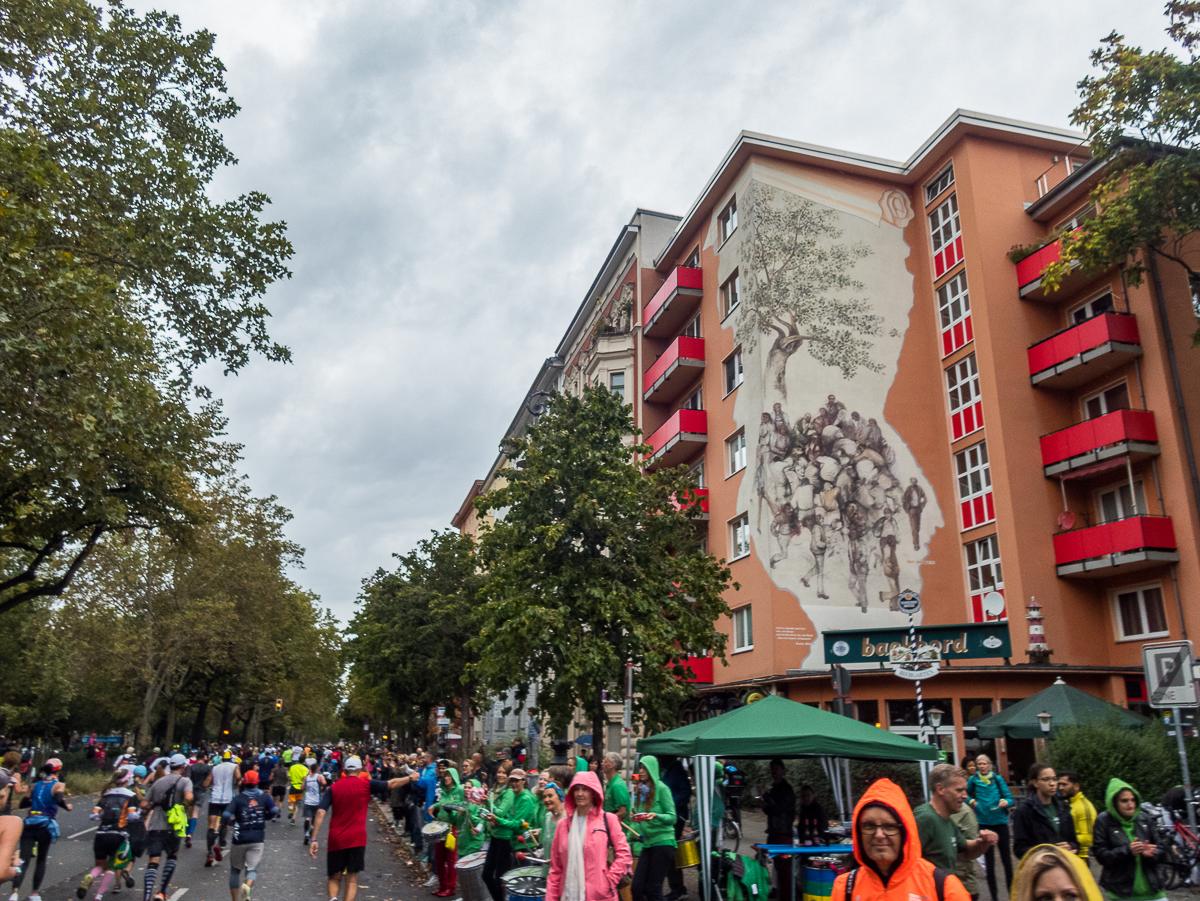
1183	855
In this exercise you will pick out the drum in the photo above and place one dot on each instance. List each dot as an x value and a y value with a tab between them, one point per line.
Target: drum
818	884
526	883
435	833
687	851
470	877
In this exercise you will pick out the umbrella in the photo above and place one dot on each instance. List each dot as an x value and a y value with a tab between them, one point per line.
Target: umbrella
1067	706
585	740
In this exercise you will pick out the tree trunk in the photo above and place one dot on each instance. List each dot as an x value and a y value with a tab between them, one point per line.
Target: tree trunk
599	727
169	737
201	716
226	720
777	359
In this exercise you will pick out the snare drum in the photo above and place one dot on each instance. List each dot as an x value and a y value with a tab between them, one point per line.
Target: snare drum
470	877
526	883
435	832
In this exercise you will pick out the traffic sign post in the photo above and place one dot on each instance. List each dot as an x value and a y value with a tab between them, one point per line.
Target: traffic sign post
1170	682
910	602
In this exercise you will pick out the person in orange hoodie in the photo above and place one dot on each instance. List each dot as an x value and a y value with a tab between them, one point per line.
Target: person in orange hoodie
888	851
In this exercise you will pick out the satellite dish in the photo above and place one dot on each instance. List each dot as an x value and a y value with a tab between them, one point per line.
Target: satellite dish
1066	520
993	603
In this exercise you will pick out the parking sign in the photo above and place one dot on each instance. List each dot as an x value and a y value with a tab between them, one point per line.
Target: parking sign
1169	678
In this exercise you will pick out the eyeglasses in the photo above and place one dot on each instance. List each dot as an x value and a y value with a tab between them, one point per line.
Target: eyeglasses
885	828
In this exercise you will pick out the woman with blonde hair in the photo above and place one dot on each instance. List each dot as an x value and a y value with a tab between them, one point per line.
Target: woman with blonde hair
1049	873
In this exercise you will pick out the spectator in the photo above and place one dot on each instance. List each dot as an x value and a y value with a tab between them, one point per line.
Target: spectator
1049	872
579	866
942	841
1126	844
811	811
965	869
992	802
779	804
675	777
1082	811
616	792
1043	818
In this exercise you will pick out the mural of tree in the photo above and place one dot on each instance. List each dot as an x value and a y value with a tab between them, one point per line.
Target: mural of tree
795	280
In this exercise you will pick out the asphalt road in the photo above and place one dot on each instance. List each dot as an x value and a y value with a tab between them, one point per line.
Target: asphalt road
286	872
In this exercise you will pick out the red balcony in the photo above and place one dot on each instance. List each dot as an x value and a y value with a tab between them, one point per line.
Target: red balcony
696	493
1029	275
1100	444
1085	351
701	667
675	301
678	438
674	370
1123	546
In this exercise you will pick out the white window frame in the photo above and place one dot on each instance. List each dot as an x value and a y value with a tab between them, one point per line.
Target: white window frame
986	552
1139	591
962	383
612	380
975	477
939	184
735	451
693	259
944	223
1137	501
697	473
1077	218
731	289
1100	396
727	219
1087	305
695	400
692	329
954	293
743	629
739	537
736	375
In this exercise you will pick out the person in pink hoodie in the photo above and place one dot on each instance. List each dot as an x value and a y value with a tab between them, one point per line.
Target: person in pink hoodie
579	867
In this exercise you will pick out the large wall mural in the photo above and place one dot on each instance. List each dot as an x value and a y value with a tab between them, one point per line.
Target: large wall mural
840	512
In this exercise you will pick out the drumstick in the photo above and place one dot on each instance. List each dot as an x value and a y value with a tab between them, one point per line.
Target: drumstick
629	829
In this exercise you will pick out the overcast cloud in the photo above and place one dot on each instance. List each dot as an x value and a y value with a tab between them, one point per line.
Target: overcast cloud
453	174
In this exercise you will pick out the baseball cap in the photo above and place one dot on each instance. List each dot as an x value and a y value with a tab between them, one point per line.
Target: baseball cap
310	761
250	777
139	770
54	762
352	763
178	760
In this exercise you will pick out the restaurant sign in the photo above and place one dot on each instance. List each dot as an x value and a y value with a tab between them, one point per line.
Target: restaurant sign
954	642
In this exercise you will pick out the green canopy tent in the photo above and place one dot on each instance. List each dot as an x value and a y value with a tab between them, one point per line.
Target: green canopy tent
1067	706
777	727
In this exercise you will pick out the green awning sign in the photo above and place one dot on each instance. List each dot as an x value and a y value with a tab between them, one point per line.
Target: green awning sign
955	642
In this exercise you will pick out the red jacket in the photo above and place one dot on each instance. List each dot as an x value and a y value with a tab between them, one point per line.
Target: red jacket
912	877
600	876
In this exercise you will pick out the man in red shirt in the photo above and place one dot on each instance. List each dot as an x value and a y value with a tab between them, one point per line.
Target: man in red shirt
348	799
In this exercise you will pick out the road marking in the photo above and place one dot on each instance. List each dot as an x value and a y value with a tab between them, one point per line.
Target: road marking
84	832
177	894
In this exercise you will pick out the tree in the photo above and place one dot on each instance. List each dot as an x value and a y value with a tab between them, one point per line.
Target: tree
1141	117
119	276
794	279
592	565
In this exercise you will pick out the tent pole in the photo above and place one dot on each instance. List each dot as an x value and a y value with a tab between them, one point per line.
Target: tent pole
703	767
849	789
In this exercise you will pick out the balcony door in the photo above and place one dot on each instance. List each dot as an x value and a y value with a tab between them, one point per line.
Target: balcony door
1118	502
1107	401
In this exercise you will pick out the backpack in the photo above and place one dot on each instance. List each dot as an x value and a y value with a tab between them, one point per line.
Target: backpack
112	811
939	883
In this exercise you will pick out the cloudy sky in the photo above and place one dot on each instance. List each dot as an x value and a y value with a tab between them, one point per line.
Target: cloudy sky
453	173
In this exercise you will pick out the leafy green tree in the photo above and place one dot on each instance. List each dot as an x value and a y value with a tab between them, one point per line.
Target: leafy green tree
592	565
795	276
120	274
1141	113
1146	758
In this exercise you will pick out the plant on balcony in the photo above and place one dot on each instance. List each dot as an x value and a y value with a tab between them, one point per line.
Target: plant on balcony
1019	252
591	566
1142	115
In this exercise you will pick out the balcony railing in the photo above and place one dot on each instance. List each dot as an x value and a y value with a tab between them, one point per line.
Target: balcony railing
1085	448
700	494
1125	545
701	667
1085	351
1030	269
677	438
671	305
674	370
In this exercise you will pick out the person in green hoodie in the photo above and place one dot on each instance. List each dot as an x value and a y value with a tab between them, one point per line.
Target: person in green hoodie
445	854
654	818
470	828
1125	843
513	812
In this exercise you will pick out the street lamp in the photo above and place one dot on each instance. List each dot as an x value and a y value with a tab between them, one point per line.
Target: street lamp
1044	722
935	720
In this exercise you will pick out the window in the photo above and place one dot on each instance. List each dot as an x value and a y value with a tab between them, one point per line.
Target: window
1140	612
743	629
693	260
966	410
692	329
616	384
1119	503
739	536
974	486
1094	307
736	452
944	179
731	294
954	305
1107	401
946	232
1077	218
1074	163
695	400
697	473
733	371
984	576
728	219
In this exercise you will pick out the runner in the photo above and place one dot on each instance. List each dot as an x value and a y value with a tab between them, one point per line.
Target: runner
166	803
314	784
279	784
224	774
200	772
297	773
248	812
348	799
110	847
41	827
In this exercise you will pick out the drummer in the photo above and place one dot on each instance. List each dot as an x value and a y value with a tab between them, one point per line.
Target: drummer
445	853
512	812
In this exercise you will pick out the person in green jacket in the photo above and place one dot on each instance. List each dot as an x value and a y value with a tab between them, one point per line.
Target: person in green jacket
616	792
445	856
514	811
1125	843
654	818
470	830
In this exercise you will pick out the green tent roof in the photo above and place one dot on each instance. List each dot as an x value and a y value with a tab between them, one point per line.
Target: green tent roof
1067	706
777	727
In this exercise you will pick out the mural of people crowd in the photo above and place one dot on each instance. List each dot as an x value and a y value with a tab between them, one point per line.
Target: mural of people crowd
831	475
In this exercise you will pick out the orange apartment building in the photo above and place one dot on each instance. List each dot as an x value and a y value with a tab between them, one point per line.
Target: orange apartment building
875	398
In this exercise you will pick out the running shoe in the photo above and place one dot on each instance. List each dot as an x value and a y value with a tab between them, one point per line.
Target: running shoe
81	892
209	862
244	894
160	897
187	841
15	897
34	897
129	883
217	853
